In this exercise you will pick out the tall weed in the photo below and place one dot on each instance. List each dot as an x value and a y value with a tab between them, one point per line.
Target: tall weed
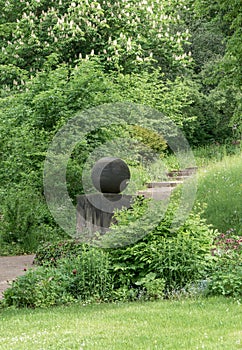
220	187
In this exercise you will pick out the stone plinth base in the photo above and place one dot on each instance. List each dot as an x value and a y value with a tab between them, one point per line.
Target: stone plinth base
95	211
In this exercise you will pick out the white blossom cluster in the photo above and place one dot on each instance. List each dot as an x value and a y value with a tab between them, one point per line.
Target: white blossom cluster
120	32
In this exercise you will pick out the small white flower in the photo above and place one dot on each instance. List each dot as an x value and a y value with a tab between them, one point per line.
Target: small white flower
138	58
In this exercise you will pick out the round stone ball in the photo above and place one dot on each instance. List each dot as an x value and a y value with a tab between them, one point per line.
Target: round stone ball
110	175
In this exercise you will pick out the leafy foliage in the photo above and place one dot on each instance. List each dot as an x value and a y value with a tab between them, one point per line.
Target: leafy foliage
25	221
85	278
49	253
225	70
182	58
30	119
220	187
178	258
125	35
226	276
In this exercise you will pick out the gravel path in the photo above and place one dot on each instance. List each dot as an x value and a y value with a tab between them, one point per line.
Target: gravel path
12	267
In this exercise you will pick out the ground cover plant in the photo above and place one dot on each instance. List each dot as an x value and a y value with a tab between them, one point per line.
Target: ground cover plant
213	323
84	277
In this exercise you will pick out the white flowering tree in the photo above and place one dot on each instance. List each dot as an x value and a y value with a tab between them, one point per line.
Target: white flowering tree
126	35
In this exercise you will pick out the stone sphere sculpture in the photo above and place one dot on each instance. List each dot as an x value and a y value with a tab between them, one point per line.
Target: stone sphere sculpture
110	175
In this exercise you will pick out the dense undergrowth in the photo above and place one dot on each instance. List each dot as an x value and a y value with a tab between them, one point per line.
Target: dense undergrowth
194	260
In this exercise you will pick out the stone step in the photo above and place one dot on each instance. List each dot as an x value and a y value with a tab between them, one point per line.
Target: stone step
184	172
179	177
160	184
161	193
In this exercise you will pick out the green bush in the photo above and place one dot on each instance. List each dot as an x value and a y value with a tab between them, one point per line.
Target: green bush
163	262
26	221
52	254
226	278
83	278
149	138
176	257
152	287
226	275
41	287
49	253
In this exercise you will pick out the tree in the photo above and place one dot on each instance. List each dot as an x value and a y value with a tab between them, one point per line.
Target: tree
125	35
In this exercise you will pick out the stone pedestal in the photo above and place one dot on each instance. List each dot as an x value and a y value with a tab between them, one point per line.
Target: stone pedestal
95	211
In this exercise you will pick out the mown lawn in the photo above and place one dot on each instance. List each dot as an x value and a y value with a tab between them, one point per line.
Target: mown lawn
214	323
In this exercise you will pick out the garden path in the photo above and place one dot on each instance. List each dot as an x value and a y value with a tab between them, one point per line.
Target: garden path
161	190
12	267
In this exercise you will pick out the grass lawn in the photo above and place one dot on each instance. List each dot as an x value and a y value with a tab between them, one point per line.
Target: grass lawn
214	323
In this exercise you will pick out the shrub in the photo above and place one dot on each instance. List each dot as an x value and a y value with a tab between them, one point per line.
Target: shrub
90	277
152	287
49	253
226	276
19	218
25	221
176	257
41	287
147	288
54	254
149	138
162	262
85	278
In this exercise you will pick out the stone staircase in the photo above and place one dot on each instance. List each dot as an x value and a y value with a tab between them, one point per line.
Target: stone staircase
162	190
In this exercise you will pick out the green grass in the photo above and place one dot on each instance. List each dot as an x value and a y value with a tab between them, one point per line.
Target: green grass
220	187
219	183
206	155
186	324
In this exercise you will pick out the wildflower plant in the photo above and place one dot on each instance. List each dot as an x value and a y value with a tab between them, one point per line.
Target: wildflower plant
226	276
227	243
